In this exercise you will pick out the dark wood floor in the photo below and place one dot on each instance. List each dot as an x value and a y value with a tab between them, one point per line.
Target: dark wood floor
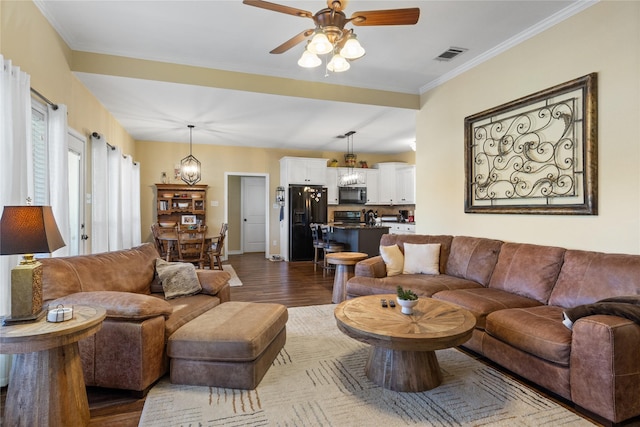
293	284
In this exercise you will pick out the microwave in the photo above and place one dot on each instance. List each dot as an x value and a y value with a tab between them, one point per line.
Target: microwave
352	195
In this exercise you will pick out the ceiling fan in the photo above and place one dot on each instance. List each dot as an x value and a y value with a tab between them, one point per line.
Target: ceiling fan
330	34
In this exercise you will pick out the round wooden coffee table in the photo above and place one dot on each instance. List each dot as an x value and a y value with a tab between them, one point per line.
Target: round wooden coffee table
47	383
344	262
402	355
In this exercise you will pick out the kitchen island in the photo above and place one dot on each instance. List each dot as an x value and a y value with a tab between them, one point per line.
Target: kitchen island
359	237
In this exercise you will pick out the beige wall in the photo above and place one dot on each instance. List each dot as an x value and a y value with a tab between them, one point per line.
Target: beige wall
156	157
32	44
605	39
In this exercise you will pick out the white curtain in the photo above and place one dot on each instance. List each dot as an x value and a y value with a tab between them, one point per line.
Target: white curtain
100	195
116	198
16	177
59	172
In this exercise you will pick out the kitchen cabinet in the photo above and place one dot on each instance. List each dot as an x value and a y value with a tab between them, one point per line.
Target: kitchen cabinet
406	185
173	201
372	186
401	228
396	183
303	171
332	186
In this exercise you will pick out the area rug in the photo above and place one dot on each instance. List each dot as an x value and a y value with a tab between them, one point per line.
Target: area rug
235	280
318	380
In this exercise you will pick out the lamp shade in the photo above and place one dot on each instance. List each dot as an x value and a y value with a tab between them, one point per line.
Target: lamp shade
29	230
338	64
352	48
320	44
309	60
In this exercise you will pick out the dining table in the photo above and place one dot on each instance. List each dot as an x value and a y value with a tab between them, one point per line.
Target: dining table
169	238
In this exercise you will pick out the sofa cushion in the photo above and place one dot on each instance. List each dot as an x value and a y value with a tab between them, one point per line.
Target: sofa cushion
527	270
423	285
119	305
421	258
484	301
587	277
393	259
178	279
67	275
473	258
186	309
536	330
401	239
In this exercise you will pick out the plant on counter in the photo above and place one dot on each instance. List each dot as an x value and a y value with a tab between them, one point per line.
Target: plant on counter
408	295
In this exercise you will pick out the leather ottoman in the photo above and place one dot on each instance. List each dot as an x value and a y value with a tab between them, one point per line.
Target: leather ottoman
232	345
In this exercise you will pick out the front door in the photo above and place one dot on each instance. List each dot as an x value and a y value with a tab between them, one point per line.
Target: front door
253	214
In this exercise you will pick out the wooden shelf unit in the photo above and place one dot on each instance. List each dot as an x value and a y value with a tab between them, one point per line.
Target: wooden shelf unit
175	200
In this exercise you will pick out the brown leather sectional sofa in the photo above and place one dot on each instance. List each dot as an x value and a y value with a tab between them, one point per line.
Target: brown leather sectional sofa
129	352
518	293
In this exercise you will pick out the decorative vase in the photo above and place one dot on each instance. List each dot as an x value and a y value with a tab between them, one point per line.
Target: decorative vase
407	305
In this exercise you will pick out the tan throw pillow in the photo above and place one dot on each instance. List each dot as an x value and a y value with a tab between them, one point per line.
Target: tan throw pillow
178	279
393	259
421	258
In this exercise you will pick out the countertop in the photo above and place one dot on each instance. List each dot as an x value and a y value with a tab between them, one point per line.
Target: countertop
361	226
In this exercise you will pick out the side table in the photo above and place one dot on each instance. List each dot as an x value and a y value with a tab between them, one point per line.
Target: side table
344	262
46	387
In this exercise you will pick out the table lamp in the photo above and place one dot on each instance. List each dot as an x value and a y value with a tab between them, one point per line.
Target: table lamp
27	230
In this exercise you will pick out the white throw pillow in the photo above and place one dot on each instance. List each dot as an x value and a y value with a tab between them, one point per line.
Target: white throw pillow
393	259
421	258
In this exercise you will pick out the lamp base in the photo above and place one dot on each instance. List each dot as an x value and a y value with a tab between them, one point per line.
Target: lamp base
12	320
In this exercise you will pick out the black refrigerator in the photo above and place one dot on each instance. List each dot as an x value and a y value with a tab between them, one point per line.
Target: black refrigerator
307	204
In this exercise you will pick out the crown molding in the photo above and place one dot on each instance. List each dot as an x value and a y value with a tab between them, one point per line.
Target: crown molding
540	27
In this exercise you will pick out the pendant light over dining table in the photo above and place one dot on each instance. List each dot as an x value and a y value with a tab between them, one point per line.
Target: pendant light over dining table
190	171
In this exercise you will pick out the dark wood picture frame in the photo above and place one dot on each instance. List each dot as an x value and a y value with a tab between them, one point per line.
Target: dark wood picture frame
535	155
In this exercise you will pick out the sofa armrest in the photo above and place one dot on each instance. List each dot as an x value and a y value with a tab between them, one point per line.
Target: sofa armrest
371	267
215	283
605	368
119	305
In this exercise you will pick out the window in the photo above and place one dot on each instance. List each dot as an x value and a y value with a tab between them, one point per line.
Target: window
40	153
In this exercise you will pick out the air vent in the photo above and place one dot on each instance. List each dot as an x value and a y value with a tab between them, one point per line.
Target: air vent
450	53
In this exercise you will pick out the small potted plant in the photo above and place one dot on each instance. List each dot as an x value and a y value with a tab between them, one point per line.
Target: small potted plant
407	300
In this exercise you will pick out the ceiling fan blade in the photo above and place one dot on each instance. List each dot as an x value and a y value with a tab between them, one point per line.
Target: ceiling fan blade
279	8
386	17
292	41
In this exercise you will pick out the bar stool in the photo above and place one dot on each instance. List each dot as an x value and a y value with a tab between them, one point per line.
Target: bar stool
330	246
318	244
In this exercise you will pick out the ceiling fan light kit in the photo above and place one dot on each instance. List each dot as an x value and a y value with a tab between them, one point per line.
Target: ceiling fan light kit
330	36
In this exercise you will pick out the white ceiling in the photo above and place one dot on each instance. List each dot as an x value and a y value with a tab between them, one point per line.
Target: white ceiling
228	35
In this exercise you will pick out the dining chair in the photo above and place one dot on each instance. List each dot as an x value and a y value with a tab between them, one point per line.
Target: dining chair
217	247
329	245
161	247
318	244
191	244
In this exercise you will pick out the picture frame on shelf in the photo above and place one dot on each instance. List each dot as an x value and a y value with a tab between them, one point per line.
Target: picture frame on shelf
189	220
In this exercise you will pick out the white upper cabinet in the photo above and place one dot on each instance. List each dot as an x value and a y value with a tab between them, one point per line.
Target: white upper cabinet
332	186
396	183
406	185
303	171
372	186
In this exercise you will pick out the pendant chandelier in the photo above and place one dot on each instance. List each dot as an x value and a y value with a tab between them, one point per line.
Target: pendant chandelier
190	166
351	177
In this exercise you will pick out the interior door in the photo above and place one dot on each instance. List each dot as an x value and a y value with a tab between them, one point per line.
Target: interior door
253	214
76	155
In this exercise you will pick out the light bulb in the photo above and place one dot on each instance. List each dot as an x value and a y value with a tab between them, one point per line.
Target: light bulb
352	48
309	60
320	44
338	64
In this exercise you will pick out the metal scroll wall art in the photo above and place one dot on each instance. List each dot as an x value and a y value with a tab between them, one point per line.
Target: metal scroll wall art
535	155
